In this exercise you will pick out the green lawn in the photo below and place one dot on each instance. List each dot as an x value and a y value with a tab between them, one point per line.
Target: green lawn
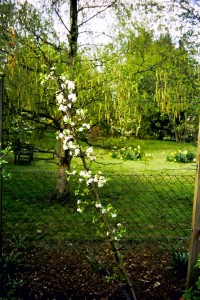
153	198
158	163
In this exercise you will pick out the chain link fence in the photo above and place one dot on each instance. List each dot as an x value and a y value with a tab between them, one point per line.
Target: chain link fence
151	207
61	253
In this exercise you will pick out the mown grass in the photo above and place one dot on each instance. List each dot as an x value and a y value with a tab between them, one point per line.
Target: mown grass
159	151
150	200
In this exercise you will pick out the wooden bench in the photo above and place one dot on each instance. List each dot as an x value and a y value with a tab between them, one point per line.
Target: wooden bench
23	152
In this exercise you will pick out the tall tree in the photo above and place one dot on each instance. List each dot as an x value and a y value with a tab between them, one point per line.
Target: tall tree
37	63
149	76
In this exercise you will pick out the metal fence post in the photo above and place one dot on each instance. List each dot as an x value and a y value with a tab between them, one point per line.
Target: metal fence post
1	141
194	251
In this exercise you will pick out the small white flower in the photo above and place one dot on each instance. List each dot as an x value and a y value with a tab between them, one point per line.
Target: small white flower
79	202
98	205
69	105
113	215
71	85
60	98
62	107
89	150
68	137
90	180
79	210
72	97
86	125
100	184
63	86
65	147
71	145
77	152
80	112
63	78
61	135
67	132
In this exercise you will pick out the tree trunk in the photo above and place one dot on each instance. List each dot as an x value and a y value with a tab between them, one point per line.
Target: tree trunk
73	36
62	190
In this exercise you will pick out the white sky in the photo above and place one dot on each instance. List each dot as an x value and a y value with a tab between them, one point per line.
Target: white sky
167	20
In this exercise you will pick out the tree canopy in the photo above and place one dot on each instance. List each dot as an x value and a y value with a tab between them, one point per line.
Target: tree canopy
121	83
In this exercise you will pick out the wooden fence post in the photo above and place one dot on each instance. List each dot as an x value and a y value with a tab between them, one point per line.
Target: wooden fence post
1	140
194	251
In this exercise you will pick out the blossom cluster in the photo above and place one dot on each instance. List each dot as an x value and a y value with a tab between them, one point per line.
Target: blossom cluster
98	179
74	120
116	233
64	102
89	154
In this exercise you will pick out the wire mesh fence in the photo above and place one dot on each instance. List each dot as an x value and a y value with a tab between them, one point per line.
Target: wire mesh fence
155	209
60	255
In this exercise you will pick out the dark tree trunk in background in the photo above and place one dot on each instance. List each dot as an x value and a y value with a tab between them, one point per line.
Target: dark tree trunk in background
73	36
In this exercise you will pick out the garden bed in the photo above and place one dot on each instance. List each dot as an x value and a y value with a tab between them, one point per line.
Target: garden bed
86	272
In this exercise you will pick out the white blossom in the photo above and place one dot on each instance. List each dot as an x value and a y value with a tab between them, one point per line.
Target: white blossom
80	112
63	78
61	135
68	137
62	108
77	152
69	105
85	174
63	86
90	180
67	132
71	84
86	125
65	147
72	97
98	205
89	150
71	145
60	98
101	181
113	215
